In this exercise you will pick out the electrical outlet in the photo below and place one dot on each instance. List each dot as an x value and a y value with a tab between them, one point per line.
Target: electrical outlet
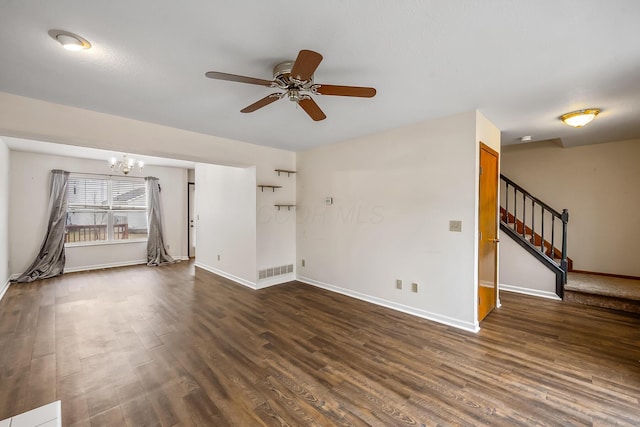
455	226
303	263
414	287
218	257
398	284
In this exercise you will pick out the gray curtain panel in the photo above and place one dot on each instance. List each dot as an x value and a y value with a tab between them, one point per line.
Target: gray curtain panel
156	251
50	260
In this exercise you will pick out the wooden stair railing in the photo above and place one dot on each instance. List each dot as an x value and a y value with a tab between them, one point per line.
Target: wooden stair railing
534	238
537	234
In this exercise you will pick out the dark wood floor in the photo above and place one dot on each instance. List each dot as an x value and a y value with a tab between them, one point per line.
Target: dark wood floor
167	346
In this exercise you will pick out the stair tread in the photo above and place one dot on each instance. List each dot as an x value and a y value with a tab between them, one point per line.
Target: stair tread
603	285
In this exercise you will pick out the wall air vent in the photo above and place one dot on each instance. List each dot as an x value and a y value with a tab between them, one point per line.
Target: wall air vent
275	271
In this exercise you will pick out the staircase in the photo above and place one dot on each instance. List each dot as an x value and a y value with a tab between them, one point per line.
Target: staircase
542	231
537	227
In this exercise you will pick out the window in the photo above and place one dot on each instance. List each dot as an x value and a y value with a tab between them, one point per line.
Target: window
105	209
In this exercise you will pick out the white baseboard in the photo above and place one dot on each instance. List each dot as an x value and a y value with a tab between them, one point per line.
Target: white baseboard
5	287
101	266
531	292
467	326
226	275
180	257
278	280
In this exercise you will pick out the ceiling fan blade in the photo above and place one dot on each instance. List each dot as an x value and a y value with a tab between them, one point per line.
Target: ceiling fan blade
312	109
305	65
362	92
235	78
262	103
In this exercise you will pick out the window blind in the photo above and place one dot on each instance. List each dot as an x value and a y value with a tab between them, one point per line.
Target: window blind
105	209
128	194
88	193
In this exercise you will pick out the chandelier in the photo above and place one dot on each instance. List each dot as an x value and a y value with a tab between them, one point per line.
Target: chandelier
125	165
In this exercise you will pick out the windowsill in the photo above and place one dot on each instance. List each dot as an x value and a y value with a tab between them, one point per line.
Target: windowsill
102	243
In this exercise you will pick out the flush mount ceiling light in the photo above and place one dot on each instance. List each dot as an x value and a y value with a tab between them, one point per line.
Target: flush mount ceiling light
579	118
69	40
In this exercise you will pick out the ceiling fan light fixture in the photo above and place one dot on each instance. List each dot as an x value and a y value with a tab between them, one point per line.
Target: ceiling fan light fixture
579	118
295	81
294	95
70	41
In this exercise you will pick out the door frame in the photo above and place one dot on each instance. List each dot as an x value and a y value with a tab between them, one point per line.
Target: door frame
189	219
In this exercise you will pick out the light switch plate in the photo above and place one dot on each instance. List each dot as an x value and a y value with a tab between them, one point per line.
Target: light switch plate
455	225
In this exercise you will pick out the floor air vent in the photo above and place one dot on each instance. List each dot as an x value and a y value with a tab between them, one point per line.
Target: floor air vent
275	271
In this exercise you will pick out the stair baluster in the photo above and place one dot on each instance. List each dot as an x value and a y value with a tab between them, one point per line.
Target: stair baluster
524	226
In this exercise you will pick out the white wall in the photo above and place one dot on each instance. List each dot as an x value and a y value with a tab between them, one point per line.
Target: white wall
272	223
394	194
30	118
226	221
521	272
4	217
599	185
29	177
239	221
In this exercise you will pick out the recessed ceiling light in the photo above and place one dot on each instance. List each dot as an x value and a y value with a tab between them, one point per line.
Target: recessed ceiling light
579	118
69	40
526	138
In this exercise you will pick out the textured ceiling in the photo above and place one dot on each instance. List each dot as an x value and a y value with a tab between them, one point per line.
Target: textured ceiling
521	63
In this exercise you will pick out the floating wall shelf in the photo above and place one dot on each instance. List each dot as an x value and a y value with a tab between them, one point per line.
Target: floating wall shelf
285	206
272	187
284	171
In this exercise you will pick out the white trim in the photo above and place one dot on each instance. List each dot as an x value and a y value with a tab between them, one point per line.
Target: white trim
180	257
5	287
101	266
277	280
96	267
103	242
467	326
231	277
531	292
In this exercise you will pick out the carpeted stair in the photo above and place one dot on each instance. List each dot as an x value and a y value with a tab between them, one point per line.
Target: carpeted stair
603	291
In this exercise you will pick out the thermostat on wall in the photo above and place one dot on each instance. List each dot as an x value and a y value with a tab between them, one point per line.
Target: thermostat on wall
328	200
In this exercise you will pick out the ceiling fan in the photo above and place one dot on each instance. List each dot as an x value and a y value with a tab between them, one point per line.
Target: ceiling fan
294	79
